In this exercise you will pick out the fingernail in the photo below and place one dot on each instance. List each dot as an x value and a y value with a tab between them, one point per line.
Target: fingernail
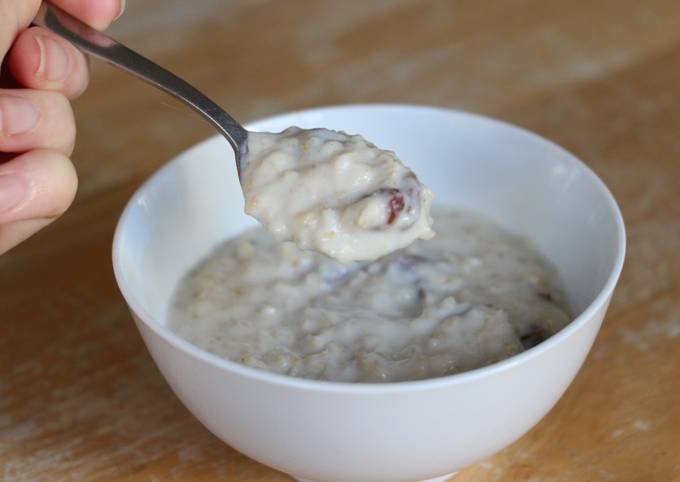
13	190
17	115
122	9
54	60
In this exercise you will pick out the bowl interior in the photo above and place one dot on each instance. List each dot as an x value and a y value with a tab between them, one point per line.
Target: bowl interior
523	182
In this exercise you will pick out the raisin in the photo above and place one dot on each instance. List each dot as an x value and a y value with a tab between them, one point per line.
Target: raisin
396	205
544	296
533	337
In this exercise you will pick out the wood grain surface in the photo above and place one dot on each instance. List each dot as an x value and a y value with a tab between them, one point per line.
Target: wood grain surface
80	398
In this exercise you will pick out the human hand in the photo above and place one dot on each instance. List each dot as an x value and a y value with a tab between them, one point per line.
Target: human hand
40	72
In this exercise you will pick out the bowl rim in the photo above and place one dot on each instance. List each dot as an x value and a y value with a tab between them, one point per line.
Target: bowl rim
256	374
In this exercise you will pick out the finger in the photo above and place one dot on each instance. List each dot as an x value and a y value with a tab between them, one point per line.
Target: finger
41	60
39	184
97	13
35	119
14	233
15	15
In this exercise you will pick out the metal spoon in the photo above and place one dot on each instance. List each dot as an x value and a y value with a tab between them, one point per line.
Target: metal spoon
104	47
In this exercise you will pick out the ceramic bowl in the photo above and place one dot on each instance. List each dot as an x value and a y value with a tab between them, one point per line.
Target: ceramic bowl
391	432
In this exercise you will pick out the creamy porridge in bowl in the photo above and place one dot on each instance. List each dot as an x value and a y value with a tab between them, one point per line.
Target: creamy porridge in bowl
442	356
468	297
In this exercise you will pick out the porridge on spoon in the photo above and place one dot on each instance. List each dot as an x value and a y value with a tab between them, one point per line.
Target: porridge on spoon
334	193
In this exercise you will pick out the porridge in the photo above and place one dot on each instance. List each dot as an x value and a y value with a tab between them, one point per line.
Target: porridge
334	193
470	296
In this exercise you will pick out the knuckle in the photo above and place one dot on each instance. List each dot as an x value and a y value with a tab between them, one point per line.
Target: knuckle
79	78
65	191
62	118
112	9
57	99
63	109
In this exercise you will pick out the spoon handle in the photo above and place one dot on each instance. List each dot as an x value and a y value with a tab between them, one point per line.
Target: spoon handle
105	48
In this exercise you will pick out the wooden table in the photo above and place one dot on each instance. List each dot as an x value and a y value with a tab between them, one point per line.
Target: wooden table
80	398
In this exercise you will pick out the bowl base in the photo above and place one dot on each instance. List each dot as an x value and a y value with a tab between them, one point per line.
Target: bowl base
441	478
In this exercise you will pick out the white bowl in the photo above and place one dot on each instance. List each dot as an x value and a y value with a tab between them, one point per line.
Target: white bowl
404	431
